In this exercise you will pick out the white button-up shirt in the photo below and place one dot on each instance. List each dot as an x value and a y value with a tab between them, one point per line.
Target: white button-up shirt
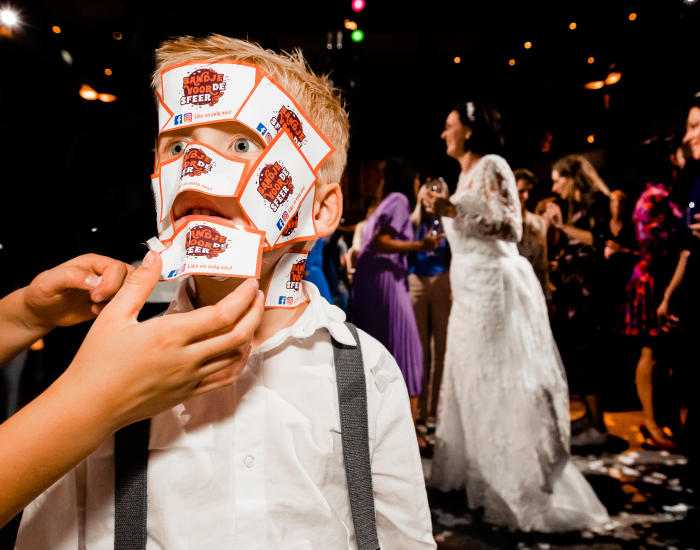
258	465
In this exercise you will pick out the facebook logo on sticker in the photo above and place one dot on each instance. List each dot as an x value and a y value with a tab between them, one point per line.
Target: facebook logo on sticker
173	273
282	300
178	120
261	128
280	224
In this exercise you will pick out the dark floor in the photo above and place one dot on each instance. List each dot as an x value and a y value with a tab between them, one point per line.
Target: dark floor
649	495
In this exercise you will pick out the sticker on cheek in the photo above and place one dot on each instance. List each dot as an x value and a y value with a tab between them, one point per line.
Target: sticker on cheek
203	247
269	109
285	288
199	168
302	225
165	227
203	92
278	183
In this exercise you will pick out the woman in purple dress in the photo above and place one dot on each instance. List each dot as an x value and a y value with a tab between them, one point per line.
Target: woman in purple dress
381	302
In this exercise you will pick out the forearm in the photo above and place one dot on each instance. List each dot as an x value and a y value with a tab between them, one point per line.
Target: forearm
586	237
18	329
44	441
678	275
384	244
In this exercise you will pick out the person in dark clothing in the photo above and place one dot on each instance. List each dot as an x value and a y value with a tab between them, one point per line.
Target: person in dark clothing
583	227
678	310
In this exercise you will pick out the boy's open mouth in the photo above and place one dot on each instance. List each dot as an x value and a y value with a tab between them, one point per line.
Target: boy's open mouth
196	204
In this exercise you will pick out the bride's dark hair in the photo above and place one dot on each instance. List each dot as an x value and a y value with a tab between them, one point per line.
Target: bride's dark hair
485	124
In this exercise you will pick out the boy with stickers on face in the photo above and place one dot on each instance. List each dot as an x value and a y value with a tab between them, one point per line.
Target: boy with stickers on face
314	446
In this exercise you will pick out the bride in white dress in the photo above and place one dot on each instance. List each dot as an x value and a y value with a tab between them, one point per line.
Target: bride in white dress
503	422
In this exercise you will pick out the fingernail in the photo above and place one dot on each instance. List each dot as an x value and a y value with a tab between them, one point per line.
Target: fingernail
92	280
97	298
253	283
148	259
261	295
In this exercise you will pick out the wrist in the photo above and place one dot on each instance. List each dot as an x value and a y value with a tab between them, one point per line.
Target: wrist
22	315
93	407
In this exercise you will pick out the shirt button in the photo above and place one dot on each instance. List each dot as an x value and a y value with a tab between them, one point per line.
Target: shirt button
249	461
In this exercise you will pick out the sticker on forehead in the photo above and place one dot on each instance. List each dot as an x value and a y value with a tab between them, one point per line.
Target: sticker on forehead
302	225
285	288
269	109
199	168
202	92
278	183
204	247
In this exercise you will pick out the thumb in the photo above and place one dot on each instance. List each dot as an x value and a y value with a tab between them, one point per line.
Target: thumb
137	288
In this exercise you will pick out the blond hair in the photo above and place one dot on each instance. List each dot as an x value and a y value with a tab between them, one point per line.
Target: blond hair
315	94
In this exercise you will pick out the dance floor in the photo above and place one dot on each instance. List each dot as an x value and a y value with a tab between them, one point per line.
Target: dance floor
646	492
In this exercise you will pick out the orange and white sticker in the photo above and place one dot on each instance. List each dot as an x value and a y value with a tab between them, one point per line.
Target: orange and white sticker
202	92
199	168
270	109
278	183
285	288
302	225
205	247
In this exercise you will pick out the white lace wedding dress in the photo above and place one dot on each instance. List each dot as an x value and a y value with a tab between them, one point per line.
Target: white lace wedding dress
503	413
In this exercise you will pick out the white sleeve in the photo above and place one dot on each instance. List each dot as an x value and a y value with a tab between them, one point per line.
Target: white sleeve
401	501
52	519
489	206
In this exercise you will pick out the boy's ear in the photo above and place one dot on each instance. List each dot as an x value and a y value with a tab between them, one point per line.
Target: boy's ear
328	207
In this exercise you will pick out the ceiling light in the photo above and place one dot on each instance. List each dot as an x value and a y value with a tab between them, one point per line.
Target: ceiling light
9	18
595	85
572	26
528	45
613	78
86	92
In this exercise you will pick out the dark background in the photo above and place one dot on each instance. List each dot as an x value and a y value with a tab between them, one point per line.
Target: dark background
75	172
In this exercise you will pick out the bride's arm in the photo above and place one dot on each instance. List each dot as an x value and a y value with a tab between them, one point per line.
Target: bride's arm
489	208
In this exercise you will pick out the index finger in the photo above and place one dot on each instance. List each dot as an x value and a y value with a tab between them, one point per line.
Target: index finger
209	320
113	273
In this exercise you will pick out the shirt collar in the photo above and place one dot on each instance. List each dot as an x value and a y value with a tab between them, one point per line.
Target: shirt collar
319	314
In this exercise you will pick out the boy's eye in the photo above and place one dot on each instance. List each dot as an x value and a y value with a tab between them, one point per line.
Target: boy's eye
245	146
177	148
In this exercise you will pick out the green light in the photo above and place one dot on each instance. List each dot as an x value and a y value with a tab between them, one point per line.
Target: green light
357	36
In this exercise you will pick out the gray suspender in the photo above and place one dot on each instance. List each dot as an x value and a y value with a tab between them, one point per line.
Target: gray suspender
130	486
352	402
131	459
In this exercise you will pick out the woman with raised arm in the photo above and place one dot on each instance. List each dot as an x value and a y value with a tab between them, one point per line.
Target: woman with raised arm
503	413
381	301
